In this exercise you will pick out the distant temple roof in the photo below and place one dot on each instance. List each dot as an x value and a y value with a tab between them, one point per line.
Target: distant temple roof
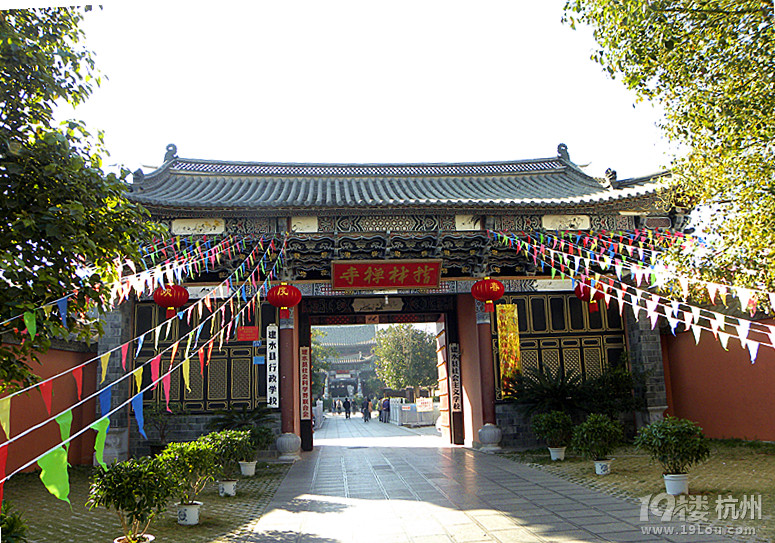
545	182
355	335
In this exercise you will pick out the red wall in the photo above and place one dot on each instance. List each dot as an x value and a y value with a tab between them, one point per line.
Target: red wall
28	410
721	390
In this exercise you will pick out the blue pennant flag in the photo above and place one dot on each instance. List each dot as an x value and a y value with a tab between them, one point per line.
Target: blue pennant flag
62	305
105	394
137	405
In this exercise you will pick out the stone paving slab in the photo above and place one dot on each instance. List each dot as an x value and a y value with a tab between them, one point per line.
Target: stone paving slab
375	482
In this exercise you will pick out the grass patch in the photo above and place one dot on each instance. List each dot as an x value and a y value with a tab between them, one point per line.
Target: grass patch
53	521
735	468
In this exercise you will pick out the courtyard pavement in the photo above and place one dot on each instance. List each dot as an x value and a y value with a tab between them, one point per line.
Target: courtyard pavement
379	483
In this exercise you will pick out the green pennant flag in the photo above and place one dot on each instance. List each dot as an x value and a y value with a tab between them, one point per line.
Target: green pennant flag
99	443
53	473
30	323
65	421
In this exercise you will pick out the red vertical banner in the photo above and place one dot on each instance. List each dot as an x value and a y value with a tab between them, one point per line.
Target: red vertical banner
305	383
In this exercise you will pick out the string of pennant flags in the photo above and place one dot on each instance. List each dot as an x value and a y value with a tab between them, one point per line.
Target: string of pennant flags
53	462
693	318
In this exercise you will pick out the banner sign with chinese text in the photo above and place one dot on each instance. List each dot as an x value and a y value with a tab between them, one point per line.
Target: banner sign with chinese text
306	405
272	366
385	274
455	385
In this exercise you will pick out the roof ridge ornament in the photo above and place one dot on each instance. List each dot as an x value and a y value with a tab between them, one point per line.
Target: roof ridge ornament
610	179
562	152
171	154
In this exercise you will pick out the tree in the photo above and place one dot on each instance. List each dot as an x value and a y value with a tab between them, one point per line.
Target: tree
405	356
320	355
710	64
67	227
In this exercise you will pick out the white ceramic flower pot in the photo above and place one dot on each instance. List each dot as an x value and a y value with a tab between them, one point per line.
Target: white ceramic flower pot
248	469
557	453
676	483
188	513
227	488
148	539
602	467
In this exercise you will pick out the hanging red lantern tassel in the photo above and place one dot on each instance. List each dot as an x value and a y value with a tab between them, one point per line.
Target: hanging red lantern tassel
172	297
284	296
488	290
586	293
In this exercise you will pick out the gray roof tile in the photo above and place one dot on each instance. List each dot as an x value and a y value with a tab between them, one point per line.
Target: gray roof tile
236	185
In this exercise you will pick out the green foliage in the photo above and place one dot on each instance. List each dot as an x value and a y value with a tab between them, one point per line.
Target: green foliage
241	419
66	226
677	444
556	427
540	390
612	393
191	465
137	490
12	525
320	356
597	437
159	418
230	447
405	356
263	438
710	65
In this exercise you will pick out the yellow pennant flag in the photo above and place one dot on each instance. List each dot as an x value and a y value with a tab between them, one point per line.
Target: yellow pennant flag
187	373
5	415
138	373
104	363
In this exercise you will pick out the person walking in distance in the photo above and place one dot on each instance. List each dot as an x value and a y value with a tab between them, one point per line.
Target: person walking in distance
386	410
346	405
366	407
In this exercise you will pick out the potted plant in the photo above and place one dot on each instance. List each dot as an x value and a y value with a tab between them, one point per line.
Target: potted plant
229	447
677	444
159	418
13	528
261	439
191	465
556	428
138	490
596	438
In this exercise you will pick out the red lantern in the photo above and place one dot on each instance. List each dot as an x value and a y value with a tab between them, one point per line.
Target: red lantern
586	293
172	297
284	296
488	290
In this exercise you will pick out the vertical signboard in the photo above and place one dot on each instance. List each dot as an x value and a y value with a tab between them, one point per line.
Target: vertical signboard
455	389
304	362
272	366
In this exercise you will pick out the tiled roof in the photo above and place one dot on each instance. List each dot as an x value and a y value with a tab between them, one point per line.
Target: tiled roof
354	334
203	184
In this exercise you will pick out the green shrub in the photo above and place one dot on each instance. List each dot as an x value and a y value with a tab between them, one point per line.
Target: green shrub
263	437
677	444
230	446
543	391
191	465
612	393
138	490
597	437
556	427
241	419
12	525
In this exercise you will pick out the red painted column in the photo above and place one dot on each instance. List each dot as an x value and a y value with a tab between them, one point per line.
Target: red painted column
486	366
288	407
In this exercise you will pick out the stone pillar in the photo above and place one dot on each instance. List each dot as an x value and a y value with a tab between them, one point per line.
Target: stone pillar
116	327
489	434
645	355
289	443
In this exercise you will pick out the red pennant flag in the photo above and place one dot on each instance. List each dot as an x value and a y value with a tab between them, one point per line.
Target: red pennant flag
155	370
46	390
210	350
202	361
78	376
124	349
166	382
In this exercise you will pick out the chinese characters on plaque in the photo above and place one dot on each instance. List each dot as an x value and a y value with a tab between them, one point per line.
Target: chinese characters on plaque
455	390
304	362
272	366
381	274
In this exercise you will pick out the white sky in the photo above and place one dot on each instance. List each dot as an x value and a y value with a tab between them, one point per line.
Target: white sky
360	81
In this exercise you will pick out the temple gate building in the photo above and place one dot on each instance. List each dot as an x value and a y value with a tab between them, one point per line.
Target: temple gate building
389	243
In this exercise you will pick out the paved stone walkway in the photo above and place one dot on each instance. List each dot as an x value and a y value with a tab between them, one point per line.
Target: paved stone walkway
374	482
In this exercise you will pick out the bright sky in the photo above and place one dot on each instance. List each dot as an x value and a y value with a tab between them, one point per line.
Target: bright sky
360	81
